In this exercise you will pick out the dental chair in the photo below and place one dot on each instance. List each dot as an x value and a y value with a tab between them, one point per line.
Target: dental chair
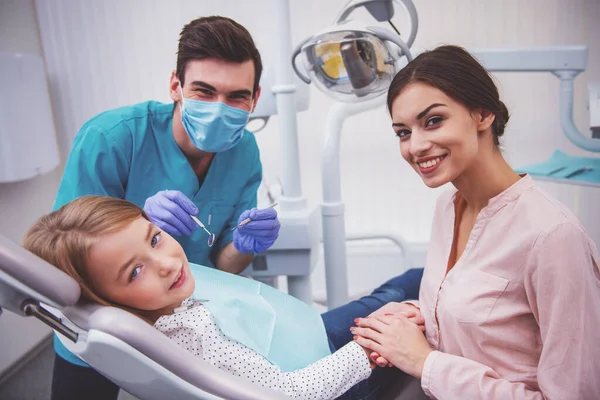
120	346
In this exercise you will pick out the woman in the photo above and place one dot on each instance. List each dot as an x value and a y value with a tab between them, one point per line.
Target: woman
511	289
121	259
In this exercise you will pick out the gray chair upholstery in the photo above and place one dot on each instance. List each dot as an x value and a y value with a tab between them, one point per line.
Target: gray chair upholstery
26	278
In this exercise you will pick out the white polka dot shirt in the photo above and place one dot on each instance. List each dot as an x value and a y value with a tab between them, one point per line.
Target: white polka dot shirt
196	330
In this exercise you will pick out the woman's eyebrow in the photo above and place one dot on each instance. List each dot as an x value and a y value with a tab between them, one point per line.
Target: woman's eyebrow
425	111
421	114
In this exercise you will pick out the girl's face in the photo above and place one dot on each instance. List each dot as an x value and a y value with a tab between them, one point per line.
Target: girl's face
439	137
140	267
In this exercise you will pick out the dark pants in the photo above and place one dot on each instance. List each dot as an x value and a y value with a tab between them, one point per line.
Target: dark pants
339	320
74	382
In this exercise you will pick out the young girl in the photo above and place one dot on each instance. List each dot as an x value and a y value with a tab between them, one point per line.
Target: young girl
511	290
121	259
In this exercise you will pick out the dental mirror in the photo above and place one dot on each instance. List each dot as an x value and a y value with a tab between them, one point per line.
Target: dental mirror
211	239
211	236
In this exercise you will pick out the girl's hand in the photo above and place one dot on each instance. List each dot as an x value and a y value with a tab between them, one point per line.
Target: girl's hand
372	362
395	338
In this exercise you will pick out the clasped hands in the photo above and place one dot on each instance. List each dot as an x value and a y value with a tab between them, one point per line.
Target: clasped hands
394	336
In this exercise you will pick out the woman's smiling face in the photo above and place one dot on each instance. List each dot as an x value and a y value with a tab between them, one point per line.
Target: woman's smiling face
438	136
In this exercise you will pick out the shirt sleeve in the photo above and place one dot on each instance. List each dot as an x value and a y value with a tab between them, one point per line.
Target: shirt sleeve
562	284
325	379
563	288
97	165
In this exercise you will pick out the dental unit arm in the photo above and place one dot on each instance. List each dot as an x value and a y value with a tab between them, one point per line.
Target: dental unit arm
564	62
296	251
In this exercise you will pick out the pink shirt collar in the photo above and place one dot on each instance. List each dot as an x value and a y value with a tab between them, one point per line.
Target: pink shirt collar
509	195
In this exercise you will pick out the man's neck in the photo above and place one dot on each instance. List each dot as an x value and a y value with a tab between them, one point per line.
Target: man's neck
201	166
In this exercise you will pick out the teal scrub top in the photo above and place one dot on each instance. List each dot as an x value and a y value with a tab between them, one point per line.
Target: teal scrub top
130	153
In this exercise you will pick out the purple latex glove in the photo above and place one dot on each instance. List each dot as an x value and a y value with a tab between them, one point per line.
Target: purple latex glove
170	210
259	234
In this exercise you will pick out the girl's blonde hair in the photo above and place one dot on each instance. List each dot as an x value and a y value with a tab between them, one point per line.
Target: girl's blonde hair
64	237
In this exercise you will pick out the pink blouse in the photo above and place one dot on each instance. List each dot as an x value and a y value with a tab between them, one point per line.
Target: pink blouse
518	316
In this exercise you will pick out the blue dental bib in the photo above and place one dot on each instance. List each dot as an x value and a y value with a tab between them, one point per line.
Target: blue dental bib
286	331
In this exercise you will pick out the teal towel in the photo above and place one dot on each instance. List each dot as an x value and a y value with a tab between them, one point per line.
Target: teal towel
563	166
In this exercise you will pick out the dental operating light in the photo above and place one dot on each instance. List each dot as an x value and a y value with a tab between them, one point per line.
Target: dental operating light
351	61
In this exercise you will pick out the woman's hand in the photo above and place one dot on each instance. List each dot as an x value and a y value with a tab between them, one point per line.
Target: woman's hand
395	338
409	310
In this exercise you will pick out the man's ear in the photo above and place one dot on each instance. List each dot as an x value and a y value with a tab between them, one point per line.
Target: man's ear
174	91
255	100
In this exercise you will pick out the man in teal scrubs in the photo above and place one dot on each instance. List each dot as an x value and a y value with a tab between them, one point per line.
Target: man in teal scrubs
190	157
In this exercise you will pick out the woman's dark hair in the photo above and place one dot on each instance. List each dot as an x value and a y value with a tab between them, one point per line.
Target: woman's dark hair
459	75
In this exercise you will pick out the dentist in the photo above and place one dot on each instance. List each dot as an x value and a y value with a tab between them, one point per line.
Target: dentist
190	157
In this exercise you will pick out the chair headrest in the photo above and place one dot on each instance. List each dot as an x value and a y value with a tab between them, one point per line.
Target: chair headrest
25	276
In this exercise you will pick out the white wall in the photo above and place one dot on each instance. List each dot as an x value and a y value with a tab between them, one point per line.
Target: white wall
110	53
21	203
103	54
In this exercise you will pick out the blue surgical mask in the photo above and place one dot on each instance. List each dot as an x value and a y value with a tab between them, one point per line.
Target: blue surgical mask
213	126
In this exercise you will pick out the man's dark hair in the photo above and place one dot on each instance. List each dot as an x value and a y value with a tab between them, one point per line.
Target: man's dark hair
217	37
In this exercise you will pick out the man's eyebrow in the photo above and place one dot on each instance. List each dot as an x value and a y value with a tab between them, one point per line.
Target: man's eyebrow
421	114
240	92
204	85
244	92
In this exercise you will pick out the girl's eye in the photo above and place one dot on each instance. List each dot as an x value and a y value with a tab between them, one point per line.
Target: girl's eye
433	121
134	273
155	239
